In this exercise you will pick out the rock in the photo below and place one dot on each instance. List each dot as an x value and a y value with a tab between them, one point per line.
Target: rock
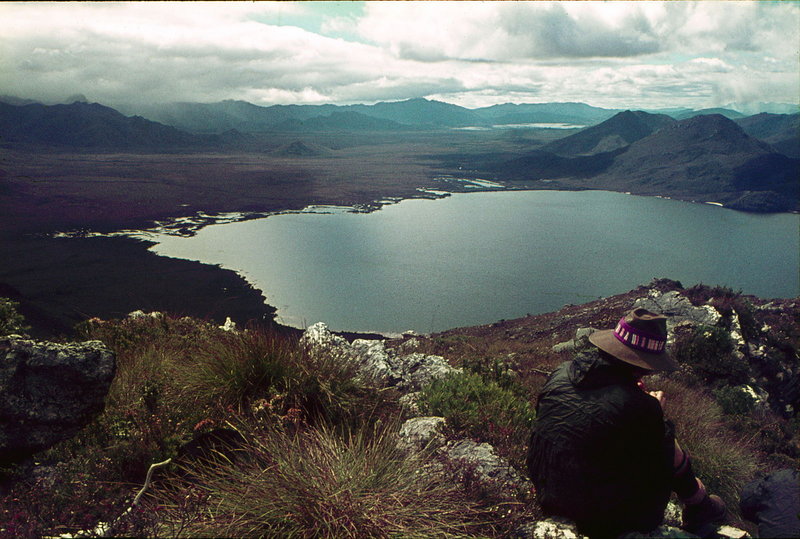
373	358
730	532
580	340
136	315
565	346
229	325
480	465
49	391
319	337
678	308
551	528
421	432
404	371
410	403
673	514
417	370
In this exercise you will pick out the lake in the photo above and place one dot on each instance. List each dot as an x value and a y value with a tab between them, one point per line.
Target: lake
476	258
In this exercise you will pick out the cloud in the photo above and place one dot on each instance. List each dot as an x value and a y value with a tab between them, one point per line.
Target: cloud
643	54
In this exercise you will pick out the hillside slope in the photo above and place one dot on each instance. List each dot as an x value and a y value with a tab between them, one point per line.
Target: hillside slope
710	157
85	125
617	132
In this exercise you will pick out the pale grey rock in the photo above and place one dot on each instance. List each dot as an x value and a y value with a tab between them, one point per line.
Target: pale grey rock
407	372
318	336
409	403
565	346
678	308
418	370
729	532
139	314
673	514
408	346
492	472
229	325
49	391
421	432
580	340
550	528
372	358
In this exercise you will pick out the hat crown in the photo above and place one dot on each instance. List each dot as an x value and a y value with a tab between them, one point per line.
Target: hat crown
650	324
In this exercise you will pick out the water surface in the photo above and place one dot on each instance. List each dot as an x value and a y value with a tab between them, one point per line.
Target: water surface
476	258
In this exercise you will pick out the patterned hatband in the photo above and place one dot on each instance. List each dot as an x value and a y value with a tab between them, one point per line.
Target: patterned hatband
638	339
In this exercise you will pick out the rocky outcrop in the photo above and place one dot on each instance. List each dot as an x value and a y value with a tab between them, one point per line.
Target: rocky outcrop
401	368
678	309
48	391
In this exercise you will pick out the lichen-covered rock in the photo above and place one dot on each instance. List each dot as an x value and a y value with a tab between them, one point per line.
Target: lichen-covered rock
581	339
417	370
479	464
397	368
678	308
49	391
550	528
373	358
319	336
421	432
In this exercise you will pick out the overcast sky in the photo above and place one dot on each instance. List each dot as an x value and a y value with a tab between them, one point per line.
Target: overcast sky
607	54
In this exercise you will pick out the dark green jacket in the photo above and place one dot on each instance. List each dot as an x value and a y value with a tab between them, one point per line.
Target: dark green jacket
600	452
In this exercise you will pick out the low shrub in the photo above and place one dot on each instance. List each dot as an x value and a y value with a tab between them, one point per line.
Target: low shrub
734	400
482	410
708	351
317	483
11	322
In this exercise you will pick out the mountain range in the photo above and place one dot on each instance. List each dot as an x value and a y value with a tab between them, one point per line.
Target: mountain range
707	157
750	163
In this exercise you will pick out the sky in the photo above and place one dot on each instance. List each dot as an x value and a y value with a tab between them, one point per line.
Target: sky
474	54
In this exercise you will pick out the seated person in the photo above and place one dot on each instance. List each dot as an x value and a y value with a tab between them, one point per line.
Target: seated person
601	453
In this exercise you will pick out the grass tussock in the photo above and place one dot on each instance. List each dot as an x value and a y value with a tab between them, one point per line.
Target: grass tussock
320	483
720	457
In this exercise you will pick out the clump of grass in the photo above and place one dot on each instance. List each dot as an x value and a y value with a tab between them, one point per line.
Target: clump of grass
720	457
235	367
481	409
320	483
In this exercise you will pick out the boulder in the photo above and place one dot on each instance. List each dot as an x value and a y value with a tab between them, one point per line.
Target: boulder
678	308
421	432
49	391
394	367
479	465
580	340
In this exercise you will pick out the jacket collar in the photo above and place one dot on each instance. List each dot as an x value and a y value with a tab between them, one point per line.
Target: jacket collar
591	370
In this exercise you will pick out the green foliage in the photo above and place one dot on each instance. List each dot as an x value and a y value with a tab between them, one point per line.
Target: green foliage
480	409
11	322
317	483
708	351
720	457
734	400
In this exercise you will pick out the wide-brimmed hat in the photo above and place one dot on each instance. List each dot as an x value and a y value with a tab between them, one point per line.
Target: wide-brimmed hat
640	339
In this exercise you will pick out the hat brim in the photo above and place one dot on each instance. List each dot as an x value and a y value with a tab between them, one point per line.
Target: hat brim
606	341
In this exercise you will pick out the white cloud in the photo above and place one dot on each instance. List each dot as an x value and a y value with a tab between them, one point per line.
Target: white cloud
627	54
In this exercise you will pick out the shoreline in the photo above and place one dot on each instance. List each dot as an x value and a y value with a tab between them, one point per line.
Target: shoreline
109	274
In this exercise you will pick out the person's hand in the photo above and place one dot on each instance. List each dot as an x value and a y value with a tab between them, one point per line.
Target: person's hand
658	395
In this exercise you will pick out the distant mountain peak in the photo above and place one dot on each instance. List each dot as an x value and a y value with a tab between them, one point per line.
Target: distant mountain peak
620	130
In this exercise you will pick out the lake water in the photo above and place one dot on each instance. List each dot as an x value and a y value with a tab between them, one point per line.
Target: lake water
475	258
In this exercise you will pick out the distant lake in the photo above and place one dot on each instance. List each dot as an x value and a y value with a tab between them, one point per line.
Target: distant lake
475	258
